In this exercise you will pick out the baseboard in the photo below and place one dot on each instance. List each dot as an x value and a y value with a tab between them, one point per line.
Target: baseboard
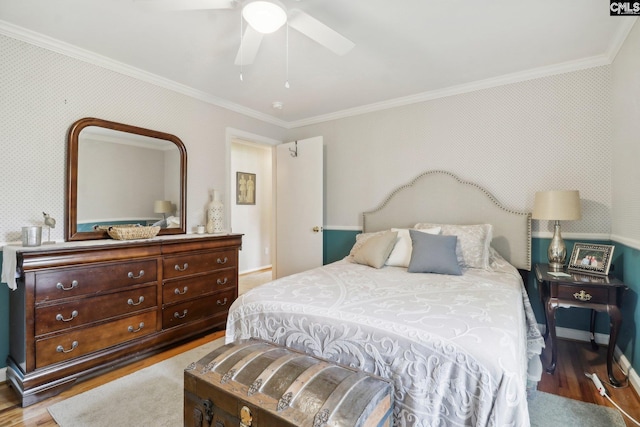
3	375
603	339
255	270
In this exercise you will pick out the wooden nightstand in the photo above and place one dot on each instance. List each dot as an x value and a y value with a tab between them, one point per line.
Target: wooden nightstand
599	293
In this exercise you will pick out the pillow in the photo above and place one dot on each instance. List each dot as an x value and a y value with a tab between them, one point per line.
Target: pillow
433	254
401	253
375	251
473	242
361	240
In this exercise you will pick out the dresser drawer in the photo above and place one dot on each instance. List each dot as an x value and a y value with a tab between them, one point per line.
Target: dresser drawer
71	314
191	287
79	342
190	311
75	281
185	265
584	294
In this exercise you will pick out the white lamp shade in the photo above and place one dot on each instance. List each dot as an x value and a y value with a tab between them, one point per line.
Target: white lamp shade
264	16
557	205
162	206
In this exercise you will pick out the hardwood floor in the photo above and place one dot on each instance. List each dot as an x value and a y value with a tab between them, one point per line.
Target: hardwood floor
574	359
569	380
11	414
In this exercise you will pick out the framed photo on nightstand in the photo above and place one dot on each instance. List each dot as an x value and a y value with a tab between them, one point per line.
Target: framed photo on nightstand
591	258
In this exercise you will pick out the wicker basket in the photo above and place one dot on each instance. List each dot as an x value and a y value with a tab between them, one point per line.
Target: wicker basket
120	232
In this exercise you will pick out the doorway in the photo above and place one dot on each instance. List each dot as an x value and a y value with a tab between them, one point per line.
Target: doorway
251	213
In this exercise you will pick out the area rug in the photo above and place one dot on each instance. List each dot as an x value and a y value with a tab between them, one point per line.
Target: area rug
154	396
150	396
549	410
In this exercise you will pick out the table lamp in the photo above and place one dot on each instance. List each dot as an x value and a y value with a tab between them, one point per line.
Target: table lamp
557	205
162	206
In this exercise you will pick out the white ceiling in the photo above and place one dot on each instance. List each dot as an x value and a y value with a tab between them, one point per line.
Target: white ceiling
406	50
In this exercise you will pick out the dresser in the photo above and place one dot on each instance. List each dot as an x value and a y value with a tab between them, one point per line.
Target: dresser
83	307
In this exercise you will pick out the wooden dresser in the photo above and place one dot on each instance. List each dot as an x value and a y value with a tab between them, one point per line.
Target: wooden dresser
81	308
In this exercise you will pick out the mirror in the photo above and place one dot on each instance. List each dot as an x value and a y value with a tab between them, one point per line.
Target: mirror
119	174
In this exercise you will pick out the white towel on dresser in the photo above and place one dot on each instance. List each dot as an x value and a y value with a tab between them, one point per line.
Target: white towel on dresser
9	267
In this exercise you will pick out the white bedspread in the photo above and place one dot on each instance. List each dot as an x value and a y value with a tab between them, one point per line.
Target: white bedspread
457	348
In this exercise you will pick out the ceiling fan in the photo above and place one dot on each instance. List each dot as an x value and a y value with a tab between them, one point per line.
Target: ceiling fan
256	13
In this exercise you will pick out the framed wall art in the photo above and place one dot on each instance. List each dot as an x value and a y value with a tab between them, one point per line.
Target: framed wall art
245	188
591	258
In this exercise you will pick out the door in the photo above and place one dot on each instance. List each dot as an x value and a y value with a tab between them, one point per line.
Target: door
299	206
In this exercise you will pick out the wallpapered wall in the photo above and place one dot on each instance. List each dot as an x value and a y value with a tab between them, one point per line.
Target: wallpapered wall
43	93
547	133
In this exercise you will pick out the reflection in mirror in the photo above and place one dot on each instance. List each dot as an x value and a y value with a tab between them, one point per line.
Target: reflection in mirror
120	174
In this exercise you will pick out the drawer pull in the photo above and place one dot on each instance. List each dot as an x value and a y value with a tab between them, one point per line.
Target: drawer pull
222	282
60	317
177	291
179	316
582	296
61	286
140	301
222	261
222	302
131	275
140	326
184	267
60	349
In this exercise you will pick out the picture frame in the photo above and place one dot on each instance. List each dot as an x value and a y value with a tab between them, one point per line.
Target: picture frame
591	258
245	188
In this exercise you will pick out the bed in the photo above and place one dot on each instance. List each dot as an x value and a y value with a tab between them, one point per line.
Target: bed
459	345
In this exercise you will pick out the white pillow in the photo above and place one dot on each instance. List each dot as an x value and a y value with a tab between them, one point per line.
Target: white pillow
473	245
401	254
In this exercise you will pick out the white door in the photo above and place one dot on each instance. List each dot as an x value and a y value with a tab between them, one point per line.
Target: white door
299	206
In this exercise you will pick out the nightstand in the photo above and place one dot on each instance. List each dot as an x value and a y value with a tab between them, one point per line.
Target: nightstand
577	289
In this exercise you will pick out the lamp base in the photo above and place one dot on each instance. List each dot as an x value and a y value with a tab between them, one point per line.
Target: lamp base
556	266
557	252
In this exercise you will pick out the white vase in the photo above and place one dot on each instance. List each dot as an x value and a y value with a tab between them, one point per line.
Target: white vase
215	214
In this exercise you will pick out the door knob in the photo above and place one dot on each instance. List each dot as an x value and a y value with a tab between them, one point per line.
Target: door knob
317	229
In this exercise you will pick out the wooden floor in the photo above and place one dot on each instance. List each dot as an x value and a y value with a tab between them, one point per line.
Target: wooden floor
569	380
574	359
11	414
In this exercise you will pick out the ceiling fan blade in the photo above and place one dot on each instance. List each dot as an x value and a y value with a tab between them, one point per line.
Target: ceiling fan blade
319	32
190	4
249	49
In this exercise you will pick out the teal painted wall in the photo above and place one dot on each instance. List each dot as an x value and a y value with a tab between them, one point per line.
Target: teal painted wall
627	262
625	265
337	244
4	321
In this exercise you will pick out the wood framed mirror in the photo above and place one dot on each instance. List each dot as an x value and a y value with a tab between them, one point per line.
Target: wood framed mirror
120	174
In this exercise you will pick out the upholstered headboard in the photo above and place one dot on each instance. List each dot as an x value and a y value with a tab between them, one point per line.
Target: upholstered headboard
441	197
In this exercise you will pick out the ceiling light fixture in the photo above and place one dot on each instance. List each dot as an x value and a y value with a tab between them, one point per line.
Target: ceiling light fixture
265	16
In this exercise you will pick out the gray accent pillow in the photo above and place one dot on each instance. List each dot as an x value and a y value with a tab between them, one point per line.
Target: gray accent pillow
376	249
433	253
473	242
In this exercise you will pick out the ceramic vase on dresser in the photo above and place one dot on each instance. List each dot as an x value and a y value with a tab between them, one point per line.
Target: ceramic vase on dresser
215	214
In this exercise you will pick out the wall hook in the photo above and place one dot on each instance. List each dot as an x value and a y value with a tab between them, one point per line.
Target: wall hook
294	151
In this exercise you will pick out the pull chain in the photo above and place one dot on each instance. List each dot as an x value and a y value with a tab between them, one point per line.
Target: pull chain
286	83
241	56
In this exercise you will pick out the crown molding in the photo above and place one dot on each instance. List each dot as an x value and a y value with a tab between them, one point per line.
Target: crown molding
54	45
566	67
621	36
37	39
